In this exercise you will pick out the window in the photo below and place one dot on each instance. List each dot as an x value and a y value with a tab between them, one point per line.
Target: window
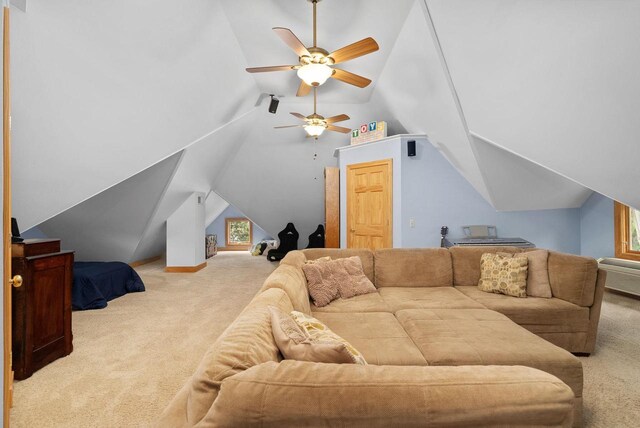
239	232
627	232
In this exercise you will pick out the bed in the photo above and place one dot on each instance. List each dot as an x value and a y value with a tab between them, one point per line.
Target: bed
95	283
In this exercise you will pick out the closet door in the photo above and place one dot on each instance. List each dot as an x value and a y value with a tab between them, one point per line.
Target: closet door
369	205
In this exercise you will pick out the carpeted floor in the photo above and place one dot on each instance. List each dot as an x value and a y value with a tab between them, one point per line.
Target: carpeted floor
131	358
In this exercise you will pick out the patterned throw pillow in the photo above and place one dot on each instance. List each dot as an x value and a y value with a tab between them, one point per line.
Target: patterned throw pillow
320	333
538	273
503	275
295	343
318	260
331	279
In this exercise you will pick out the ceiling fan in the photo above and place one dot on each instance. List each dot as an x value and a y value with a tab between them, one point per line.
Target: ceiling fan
315	63
316	124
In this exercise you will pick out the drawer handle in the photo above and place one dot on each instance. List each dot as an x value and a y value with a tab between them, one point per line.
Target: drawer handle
16	281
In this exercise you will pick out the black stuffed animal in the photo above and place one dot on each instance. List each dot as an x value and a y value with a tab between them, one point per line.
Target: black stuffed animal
288	242
316	239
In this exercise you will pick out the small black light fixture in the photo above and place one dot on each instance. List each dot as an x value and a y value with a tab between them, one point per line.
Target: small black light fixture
273	105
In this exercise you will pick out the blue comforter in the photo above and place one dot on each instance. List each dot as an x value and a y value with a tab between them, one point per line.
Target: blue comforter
95	283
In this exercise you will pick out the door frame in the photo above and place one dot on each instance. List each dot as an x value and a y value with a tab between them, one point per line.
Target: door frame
389	184
6	218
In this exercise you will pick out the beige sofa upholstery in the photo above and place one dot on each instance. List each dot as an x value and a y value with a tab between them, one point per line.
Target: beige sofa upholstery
440	352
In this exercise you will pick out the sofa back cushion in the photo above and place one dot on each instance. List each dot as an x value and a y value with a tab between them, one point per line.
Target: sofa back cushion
291	279
573	278
247	342
409	267
366	257
466	262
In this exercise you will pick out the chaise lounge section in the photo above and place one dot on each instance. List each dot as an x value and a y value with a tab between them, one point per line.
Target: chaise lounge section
438	355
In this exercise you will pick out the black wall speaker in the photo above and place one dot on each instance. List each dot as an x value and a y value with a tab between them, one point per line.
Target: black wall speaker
411	147
273	105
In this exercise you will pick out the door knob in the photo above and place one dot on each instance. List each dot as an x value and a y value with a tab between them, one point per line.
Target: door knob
353	230
16	281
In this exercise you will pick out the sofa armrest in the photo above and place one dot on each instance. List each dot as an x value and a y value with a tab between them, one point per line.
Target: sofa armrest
313	394
573	278
594	312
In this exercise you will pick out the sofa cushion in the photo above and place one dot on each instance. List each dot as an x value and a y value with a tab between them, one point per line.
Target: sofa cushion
366	256
420	267
292	281
294	393
248	341
295	343
573	278
558	314
466	262
426	298
371	302
503	274
378	336
455	337
295	258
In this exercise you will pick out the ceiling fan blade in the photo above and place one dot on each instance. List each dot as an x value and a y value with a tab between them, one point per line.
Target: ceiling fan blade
351	78
338	118
338	129
271	68
299	116
292	41
303	89
287	126
354	50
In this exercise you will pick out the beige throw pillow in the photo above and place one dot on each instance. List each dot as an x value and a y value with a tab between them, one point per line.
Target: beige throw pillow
320	333
318	260
538	273
504	275
336	278
296	344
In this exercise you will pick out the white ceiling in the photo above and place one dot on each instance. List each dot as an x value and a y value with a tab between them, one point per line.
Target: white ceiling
340	23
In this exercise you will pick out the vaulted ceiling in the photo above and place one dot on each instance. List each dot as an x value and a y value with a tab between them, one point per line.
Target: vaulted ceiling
515	94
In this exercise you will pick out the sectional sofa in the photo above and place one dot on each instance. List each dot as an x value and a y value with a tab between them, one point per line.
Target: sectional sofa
440	352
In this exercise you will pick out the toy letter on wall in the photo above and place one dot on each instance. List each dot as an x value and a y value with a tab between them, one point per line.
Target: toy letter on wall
367	132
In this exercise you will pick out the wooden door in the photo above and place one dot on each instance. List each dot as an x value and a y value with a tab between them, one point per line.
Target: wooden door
332	207
6	217
369	209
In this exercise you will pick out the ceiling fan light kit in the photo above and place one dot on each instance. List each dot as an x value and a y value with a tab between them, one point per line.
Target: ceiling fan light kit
315	74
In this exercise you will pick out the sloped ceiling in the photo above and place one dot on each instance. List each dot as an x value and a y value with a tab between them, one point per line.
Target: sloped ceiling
111	225
554	81
515	94
103	90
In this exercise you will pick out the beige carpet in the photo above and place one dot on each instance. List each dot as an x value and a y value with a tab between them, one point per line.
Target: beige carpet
132	357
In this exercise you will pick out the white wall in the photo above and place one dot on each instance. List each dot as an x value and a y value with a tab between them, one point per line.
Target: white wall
111	225
556	82
103	90
185	233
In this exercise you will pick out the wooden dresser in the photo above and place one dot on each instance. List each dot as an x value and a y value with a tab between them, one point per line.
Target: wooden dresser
41	307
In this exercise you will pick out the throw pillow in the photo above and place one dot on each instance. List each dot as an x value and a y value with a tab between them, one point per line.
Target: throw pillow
355	282
320	333
331	279
321	282
296	344
504	275
538	273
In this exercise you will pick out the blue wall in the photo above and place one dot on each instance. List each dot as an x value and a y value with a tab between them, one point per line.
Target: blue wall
218	226
435	194
596	227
